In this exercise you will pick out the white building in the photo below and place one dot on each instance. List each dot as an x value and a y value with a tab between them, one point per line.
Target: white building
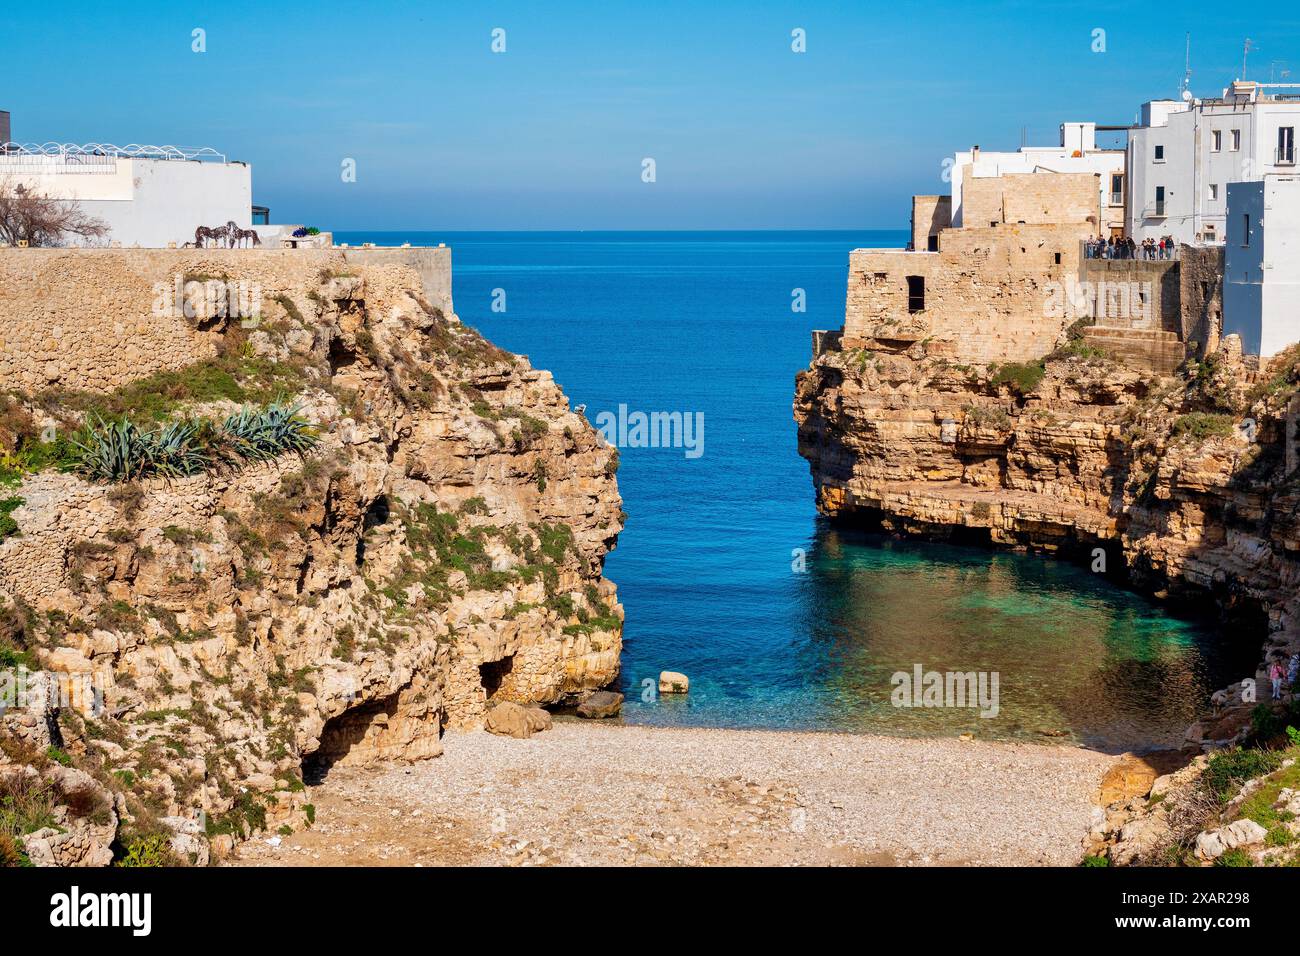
1184	153
1261	270
1076	153
148	196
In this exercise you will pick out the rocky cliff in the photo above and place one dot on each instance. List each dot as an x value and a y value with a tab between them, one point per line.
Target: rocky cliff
1184	486
183	650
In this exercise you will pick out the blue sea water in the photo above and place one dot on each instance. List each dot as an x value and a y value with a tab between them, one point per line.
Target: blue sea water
703	322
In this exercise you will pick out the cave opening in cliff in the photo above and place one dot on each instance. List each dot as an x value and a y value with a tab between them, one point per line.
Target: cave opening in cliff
377	514
971	536
343	739
493	673
341	356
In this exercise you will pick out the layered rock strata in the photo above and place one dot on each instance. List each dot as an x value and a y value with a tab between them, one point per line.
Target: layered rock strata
211	639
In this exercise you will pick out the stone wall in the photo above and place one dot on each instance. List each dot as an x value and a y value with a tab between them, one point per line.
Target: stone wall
97	319
1031	199
1137	293
989	293
930	216
1201	287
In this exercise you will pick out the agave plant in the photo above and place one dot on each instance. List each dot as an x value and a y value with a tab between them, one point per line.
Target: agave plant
175	450
113	451
119	451
262	434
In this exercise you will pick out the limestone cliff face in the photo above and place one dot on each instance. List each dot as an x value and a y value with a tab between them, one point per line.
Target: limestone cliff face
441	549
1185	483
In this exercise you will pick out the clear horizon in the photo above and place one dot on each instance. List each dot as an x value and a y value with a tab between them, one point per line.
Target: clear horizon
551	134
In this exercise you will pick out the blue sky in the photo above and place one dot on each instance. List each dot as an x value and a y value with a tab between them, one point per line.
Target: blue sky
551	134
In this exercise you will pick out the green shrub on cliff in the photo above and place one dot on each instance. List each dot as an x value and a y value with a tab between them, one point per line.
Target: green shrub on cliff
8	526
1201	426
1021	377
1229	769
981	416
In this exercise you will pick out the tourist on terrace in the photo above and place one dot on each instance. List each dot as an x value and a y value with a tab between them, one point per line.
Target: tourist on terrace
1275	674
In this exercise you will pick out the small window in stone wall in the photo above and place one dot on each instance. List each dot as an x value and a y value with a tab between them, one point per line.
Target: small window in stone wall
1056	257
932	244
916	293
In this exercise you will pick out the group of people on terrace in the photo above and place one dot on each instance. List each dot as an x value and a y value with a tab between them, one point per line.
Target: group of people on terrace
1123	247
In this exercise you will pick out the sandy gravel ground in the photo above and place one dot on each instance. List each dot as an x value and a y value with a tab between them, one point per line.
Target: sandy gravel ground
591	794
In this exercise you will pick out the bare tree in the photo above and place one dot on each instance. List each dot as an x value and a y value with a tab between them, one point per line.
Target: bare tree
42	220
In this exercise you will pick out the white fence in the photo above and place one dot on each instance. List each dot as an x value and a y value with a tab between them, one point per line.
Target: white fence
45	158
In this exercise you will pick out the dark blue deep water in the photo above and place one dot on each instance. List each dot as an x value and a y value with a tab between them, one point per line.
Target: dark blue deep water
703	322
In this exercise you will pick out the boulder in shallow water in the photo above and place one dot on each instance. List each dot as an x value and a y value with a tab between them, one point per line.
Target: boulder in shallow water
601	703
671	682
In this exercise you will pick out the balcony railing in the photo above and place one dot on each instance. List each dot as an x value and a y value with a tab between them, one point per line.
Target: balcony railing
1155	211
1284	156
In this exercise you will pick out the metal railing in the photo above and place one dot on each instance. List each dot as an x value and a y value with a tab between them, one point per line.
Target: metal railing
1284	156
92	157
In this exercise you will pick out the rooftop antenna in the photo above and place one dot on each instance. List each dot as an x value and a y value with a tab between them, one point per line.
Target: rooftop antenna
1245	52
1187	66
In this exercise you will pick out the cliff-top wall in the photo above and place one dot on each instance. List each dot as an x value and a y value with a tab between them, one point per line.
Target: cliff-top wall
95	319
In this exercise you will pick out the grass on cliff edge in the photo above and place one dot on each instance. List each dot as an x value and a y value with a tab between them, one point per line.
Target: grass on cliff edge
1021	377
1201	426
237	376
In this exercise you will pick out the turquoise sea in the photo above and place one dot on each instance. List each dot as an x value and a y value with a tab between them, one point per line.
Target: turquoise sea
703	322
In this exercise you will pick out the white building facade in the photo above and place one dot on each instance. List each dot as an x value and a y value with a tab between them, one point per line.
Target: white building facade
1184	153
1076	153
1261	273
147	196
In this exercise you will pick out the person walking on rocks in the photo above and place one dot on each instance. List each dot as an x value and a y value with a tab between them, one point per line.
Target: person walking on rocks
1293	668
1275	674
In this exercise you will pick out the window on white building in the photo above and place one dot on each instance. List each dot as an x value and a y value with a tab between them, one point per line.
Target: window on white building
1216	140
1160	154
1286	145
1236	139
1117	189
1214	190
